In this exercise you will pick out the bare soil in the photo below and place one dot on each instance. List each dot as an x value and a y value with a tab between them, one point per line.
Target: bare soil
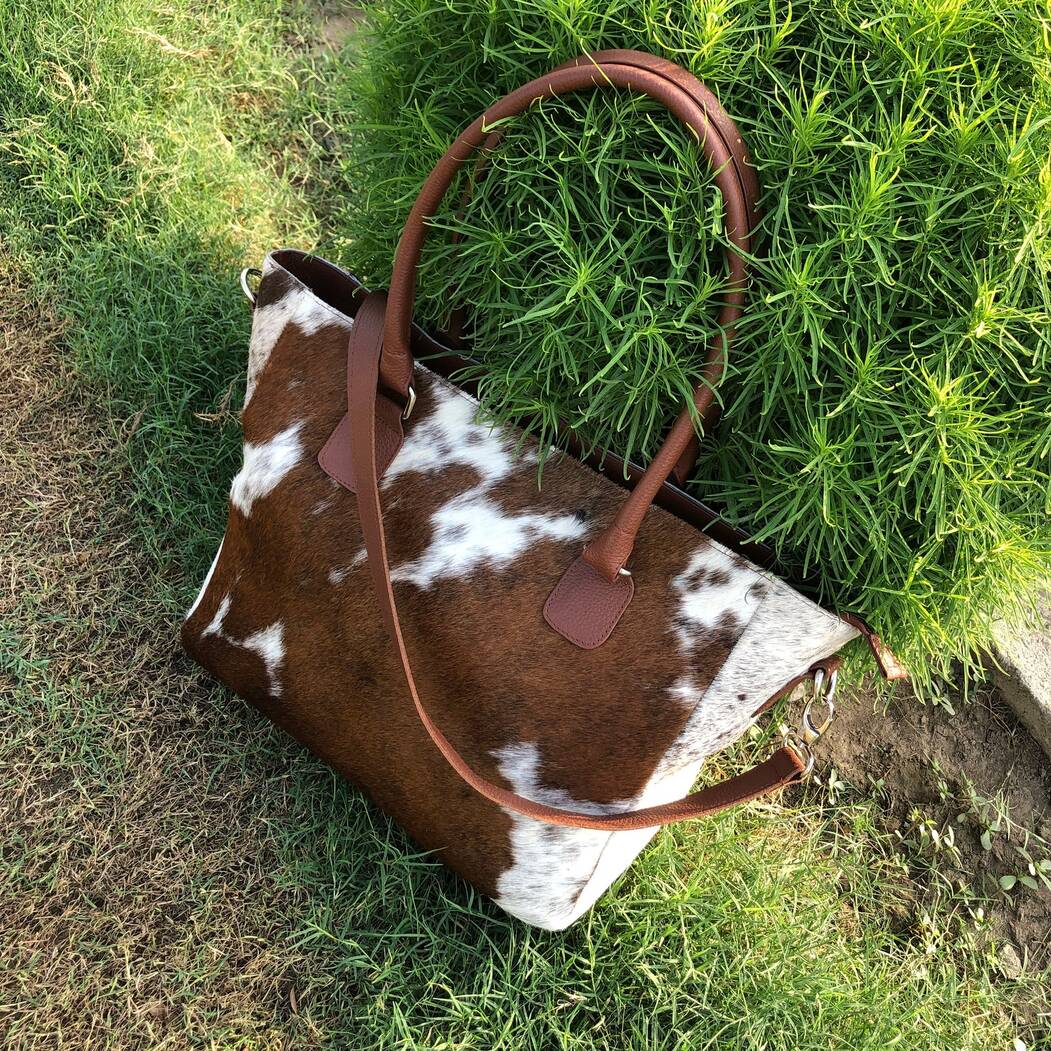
921	759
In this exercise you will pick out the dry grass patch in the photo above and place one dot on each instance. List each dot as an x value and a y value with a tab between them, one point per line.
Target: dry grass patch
141	903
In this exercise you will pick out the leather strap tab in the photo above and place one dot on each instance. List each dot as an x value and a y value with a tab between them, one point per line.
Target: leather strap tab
335	458
585	607
889	665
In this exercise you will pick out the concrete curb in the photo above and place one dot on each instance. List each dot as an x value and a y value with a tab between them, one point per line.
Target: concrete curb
1022	672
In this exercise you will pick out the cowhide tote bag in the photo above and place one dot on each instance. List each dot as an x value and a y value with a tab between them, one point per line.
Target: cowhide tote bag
527	680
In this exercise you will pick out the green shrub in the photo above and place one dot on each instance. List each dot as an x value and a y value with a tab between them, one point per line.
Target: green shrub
887	412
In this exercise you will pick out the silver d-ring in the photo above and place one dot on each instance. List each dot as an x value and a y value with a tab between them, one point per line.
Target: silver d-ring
825	683
410	404
249	271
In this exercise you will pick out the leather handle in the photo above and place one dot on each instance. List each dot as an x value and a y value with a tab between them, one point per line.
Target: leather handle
722	146
363	364
743	168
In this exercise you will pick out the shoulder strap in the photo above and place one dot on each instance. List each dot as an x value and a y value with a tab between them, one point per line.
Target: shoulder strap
363	370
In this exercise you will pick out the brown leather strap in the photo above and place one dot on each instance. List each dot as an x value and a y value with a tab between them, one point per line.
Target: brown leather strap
363	379
743	169
722	146
890	667
746	176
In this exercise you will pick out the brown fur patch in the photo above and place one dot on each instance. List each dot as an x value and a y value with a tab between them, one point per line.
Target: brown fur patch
491	672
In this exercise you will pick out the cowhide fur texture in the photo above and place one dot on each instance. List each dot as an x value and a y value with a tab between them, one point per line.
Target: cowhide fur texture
288	619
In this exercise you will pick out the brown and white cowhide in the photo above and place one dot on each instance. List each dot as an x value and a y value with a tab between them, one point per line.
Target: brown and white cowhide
287	618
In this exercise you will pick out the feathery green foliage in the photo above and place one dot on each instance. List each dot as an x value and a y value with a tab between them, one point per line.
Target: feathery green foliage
888	405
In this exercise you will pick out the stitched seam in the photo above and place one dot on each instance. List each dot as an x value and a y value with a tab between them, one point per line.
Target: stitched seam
708	688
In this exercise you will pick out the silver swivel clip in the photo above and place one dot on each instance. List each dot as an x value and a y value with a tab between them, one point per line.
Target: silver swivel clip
810	730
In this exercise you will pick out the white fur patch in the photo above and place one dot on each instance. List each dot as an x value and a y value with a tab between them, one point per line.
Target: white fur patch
557	873
470	531
337	574
552	865
450	436
264	467
215	625
784	637
270	645
207	580
298	307
712	587
703	603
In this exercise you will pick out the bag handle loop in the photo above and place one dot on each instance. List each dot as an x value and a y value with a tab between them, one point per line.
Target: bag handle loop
744	170
722	145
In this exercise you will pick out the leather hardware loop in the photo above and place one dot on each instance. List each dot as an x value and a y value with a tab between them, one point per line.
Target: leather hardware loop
246	288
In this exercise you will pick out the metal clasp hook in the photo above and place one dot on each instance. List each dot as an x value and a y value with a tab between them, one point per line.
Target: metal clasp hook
824	690
809	730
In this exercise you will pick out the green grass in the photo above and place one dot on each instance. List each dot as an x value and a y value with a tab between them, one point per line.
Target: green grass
888	406
177	875
139	163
